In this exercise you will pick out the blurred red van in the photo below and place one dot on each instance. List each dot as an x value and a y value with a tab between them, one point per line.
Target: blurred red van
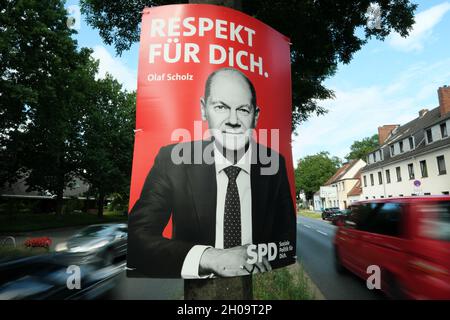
408	238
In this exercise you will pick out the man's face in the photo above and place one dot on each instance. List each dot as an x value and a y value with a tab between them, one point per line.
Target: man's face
229	110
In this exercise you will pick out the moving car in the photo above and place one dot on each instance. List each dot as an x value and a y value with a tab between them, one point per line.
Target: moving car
46	276
407	238
328	212
103	244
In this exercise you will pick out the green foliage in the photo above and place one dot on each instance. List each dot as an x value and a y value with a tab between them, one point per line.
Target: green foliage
323	34
108	139
313	171
360	149
56	121
288	283
44	80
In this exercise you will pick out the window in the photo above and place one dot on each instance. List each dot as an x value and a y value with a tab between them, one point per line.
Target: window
411	171
365	181
385	219
381	218
390	196
427	194
400	195
441	165
388	176
437	224
392	150
382	197
445	193
444	132
399	174
429	136
411	143
423	168
371	180
401	146
380	178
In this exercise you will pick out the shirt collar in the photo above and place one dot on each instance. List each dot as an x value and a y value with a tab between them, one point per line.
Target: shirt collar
221	162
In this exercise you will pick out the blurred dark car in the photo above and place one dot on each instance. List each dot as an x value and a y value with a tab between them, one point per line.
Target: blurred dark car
407	238
328	212
339	217
102	244
46	276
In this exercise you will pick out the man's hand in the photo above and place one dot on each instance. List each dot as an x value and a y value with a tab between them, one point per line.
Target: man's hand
230	262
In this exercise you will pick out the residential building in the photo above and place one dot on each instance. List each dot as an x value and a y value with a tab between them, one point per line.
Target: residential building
335	191
413	159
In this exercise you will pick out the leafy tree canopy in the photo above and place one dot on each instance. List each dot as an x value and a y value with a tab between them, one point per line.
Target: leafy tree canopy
360	149
323	33
313	171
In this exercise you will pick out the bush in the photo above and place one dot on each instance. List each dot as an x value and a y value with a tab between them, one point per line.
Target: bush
42	242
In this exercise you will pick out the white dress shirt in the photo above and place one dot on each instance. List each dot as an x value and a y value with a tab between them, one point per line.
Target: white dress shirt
192	260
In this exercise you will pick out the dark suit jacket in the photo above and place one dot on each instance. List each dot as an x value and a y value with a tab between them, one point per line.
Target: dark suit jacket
188	192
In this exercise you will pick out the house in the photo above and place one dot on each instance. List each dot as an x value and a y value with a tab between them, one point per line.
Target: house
355	194
17	194
334	193
413	158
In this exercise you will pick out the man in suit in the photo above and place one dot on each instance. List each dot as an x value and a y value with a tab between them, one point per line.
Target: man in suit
220	207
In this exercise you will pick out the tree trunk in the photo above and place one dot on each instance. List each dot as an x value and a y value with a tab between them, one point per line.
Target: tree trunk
60	195
236	288
100	204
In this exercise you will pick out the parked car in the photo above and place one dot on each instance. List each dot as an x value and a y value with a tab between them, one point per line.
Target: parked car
103	244
338	218
328	212
407	238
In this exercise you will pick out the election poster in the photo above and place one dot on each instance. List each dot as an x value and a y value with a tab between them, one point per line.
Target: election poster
212	187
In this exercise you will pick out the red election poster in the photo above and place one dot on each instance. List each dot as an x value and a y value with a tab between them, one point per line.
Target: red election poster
212	188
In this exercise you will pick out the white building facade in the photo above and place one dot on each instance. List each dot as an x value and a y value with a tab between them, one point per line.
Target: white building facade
335	192
414	159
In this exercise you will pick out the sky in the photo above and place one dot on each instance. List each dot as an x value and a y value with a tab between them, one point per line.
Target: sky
385	82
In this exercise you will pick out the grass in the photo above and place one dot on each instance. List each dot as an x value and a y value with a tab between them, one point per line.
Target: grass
10	253
24	222
290	283
310	214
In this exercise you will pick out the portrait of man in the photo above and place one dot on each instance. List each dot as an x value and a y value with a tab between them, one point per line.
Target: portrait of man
218	208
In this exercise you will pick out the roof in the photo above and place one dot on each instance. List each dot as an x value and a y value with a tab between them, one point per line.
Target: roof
415	128
341	172
427	120
357	188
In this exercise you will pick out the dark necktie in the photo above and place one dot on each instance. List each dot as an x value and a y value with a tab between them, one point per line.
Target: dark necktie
232	214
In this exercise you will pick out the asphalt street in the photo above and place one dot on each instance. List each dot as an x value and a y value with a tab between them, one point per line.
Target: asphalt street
315	252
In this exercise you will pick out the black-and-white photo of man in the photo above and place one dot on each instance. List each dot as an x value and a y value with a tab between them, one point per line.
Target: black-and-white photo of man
220	208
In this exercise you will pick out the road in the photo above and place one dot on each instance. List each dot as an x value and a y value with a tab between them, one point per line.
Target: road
315	252
124	288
